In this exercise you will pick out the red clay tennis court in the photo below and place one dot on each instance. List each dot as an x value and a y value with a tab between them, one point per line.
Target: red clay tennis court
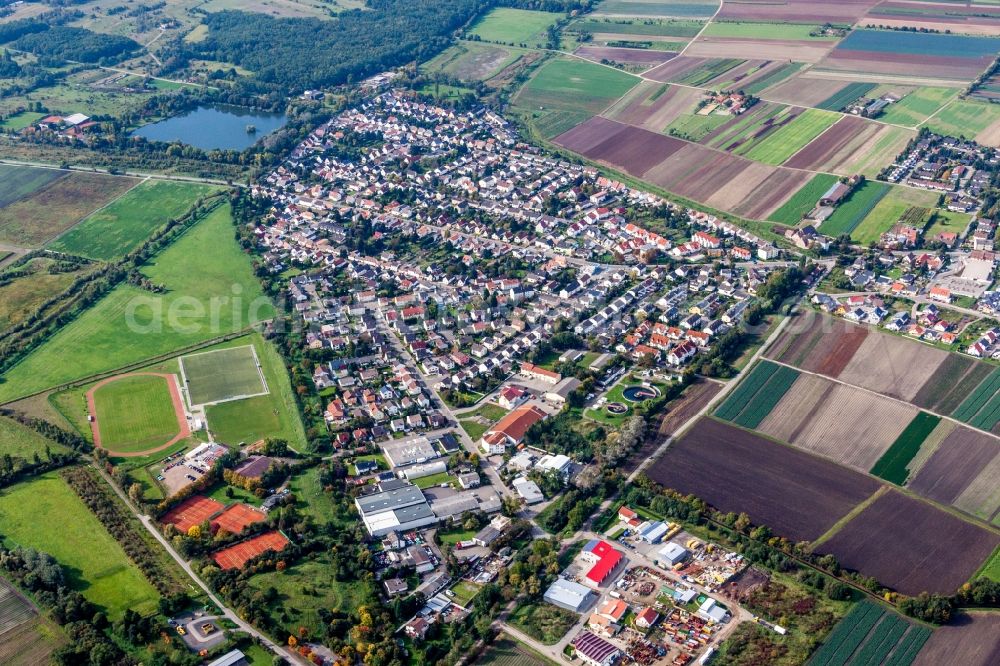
193	511
236	556
236	517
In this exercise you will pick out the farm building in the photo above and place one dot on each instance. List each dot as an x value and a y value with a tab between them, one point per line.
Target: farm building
569	595
653	531
233	658
595	650
403	508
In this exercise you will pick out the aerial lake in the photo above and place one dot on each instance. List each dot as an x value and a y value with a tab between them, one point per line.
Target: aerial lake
217	126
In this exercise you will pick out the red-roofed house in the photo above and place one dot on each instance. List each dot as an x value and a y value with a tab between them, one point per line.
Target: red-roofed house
604	559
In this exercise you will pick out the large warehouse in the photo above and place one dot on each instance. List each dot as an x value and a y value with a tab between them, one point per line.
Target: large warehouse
402	508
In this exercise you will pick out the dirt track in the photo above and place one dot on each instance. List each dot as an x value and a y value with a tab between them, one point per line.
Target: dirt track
175	398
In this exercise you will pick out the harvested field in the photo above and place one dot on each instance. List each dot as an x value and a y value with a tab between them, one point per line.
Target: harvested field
818	343
970	639
786	419
676	69
957	461
759	393
642	57
848	426
14	608
930	447
679	412
654	106
955	379
805	90
772	49
772	193
981	497
234	557
892	366
879	151
18	182
837	144
948	68
741	190
635	150
797	11
970	19
193	511
798	495
911	546
773	77
236	518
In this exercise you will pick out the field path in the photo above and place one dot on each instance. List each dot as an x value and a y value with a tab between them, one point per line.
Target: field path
175	398
703	28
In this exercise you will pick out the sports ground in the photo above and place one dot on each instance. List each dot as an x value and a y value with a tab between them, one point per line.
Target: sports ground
137	414
236	556
222	375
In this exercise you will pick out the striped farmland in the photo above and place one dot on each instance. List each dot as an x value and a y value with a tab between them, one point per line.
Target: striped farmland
754	399
982	408
870	635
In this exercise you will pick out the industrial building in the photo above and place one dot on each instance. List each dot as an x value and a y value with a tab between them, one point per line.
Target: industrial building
411	451
569	595
401	508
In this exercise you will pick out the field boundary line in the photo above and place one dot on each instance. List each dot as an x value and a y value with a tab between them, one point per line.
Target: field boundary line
710	21
848	517
94	212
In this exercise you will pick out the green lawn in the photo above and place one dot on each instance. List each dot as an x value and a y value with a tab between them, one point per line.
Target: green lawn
851	212
227	494
916	107
888	210
765	31
312	499
125	223
945	220
564	93
309	588
47	515
694	127
135	413
19	121
464	592
222	374
804	200
964	118
991	569
788	140
129	324
433	480
21	442
453	536
514	26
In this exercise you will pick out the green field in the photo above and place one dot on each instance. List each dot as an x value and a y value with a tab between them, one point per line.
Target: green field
982	408
564	93
543	621
96	565
789	139
892	466
964	118
309	589
991	568
690	8
124	224
889	210
19	121
846	95
135	413
693	127
775	76
313	500
518	27
18	182
473	61
709	70
868	635
757	395
804	200
129	324
644	28
946	220
22	296
851	212
275	414
20	442
917	106
223	374
764	31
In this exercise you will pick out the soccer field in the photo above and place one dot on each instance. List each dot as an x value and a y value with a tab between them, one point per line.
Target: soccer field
222	375
135	413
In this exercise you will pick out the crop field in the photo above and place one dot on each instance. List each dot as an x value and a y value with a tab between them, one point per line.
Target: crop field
911	546
636	57
14	609
962	458
775	76
22	442
956	57
982	408
694	127
856	208
708	70
31	643
235	556
954	380
892	366
917	106
762	390
237	517
190	512
123	225
839	144
516	27
654	106
818	343
846	95
95	564
788	140
967	18
136	413
970	119
796	494
803	201
876	152
47	211
842	423
129	324
970	639
507	652
567	92
22	296
636	28
688	8
796	11
889	210
893	466
18	182
225	374
750	30
870	634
